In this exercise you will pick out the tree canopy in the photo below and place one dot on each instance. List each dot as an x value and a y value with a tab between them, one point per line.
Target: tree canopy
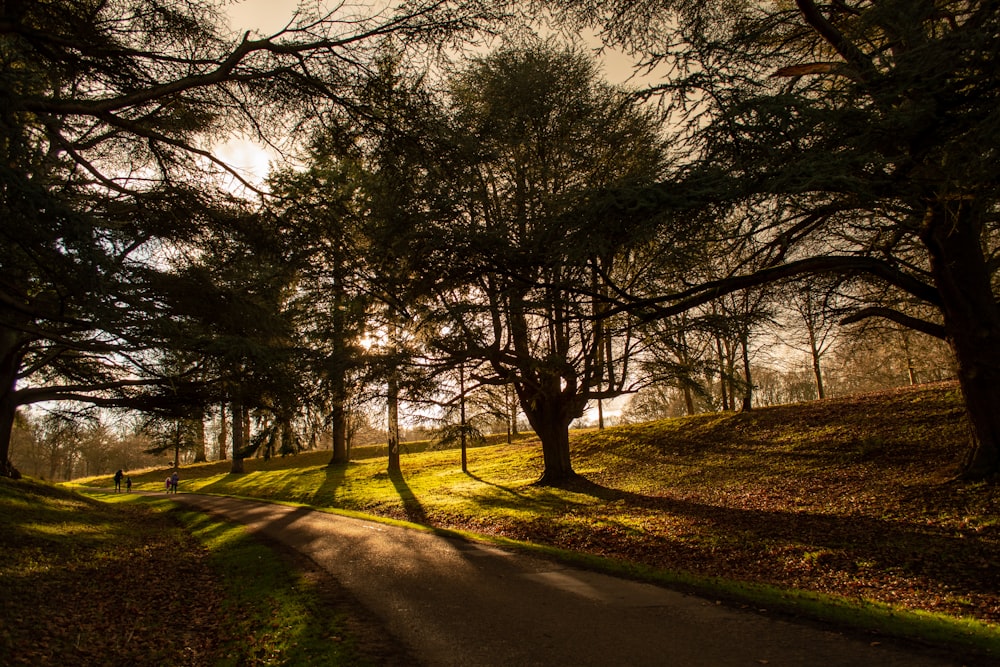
107	178
852	138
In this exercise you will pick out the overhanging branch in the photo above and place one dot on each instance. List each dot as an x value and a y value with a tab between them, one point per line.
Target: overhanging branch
908	321
679	302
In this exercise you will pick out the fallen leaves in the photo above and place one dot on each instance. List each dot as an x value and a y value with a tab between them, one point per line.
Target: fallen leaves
137	592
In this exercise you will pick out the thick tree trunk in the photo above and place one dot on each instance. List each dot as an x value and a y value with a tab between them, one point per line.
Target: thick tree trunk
338	420
550	415
10	362
7	411
338	424
952	235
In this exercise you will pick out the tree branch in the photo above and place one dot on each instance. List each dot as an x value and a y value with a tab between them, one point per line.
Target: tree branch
908	321
651	309
851	53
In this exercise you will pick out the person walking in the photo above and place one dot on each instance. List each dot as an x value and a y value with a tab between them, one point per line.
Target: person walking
118	480
174	479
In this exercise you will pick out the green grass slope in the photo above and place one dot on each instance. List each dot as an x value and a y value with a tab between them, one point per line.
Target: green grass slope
847	501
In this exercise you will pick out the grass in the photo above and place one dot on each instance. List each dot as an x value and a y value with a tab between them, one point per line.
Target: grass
133	582
844	510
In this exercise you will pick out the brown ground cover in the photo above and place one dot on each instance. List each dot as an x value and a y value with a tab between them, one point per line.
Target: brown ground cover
855	497
85	583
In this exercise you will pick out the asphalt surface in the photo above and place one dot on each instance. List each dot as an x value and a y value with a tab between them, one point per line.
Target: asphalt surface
454	602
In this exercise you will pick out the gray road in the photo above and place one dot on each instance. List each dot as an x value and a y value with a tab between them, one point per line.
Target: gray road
452	602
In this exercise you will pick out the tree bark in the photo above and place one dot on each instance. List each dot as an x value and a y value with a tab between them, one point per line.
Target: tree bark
952	233
748	387
7	411
10	362
393	425
223	431
200	453
722	373
338	424
238	440
550	414
688	399
817	369
461	398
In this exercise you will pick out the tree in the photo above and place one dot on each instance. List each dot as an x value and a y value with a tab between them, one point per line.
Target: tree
814	307
535	128
109	109
853	138
321	208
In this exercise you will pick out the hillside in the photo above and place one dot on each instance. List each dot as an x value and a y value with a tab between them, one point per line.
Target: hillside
852	497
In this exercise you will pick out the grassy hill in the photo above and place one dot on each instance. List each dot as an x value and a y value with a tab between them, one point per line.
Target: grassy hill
852	498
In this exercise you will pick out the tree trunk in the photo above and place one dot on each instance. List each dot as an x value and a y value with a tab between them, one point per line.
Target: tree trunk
952	234
338	419
10	362
817	370
223	432
688	399
245	422
550	414
177	443
722	373
748	386
461	398
511	415
911	371
7	411
338	424
393	425
238	440
200	453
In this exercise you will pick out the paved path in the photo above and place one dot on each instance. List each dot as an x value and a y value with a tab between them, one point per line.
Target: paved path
452	602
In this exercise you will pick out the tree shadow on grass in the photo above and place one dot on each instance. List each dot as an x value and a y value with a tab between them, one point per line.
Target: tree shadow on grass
908	548
505	489
326	493
414	510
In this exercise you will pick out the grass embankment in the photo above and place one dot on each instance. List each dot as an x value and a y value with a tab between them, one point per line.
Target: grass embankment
133	583
842	509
